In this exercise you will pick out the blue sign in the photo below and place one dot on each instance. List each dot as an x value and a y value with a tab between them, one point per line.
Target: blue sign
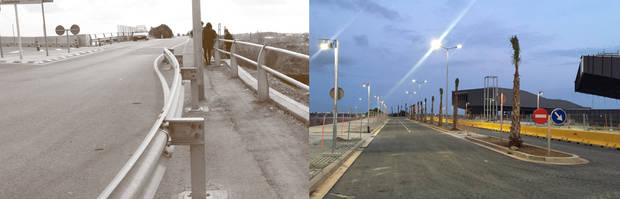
558	116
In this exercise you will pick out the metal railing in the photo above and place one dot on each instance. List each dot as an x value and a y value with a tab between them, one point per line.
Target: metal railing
262	70
143	172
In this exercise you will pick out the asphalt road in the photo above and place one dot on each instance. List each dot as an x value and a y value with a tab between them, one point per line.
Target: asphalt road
425	163
68	127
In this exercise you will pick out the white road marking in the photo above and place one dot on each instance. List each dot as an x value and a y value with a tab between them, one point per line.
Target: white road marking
177	45
401	123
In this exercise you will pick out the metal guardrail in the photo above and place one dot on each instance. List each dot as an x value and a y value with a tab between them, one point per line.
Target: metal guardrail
261	59
261	84
143	172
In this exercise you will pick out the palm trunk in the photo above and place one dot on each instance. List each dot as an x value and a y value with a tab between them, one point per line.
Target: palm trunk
440	106
455	103
515	127
432	107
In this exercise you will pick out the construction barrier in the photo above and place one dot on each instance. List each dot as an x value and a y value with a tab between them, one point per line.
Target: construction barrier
585	137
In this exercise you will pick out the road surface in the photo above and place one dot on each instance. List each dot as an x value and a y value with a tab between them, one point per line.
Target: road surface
425	163
68	127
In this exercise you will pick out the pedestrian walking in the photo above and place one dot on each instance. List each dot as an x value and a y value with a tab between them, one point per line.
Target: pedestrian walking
228	36
208	40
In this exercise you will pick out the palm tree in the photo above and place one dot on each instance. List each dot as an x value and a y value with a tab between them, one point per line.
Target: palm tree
432	106
455	103
440	105
424	109
515	127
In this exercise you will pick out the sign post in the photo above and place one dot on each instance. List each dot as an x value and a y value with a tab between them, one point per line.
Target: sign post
19	36
47	53
558	116
75	29
540	117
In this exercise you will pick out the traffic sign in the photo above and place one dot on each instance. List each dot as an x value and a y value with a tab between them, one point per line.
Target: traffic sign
75	29
340	93
540	116
558	116
60	30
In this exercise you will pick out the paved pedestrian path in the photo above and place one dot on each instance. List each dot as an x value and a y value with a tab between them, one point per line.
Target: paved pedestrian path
253	149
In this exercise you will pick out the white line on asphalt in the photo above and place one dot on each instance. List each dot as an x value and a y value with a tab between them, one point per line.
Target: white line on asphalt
175	46
401	123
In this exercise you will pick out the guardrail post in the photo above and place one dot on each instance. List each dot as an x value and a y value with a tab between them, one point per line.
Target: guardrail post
263	84
191	73
190	131
217	53
233	59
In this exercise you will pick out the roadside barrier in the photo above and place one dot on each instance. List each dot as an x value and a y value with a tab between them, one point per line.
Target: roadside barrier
585	137
143	172
261	83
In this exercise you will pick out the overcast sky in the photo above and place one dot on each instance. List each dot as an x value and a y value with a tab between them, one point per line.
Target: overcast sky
381	41
99	16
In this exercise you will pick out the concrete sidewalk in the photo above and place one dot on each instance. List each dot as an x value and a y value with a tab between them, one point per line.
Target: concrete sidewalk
321	155
254	149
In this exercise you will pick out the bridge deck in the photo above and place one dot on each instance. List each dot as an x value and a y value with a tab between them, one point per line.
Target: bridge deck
254	149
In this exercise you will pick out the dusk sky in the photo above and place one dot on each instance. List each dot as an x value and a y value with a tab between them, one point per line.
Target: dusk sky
381	41
99	16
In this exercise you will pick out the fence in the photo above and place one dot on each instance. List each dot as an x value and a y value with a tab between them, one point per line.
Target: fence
261	83
141	175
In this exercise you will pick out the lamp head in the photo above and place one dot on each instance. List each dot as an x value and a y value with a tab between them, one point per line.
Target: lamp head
327	44
459	46
435	44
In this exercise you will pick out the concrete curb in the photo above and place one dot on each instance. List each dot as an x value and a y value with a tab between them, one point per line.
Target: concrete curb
329	169
298	110
52	60
573	160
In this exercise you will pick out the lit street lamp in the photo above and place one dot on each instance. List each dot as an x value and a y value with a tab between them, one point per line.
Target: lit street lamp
436	45
333	44
538	99
367	84
419	85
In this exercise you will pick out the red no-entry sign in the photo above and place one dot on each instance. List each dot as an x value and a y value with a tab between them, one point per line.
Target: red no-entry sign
540	116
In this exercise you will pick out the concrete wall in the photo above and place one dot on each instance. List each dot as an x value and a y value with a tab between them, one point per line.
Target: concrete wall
53	40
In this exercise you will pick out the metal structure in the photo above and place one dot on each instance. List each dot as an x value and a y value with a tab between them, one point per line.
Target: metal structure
490	98
141	175
262	83
599	75
15	2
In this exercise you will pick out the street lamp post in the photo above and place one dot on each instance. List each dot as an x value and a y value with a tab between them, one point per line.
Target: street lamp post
333	44
368	113
538	99
436	45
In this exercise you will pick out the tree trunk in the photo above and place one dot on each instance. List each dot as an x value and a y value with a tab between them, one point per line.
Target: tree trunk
455	109
432	107
515	127
440	108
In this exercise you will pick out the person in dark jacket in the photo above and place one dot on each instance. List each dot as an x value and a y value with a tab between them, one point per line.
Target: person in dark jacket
228	36
208	40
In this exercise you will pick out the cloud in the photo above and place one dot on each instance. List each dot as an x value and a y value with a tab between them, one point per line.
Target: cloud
407	34
327	59
368	6
361	40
